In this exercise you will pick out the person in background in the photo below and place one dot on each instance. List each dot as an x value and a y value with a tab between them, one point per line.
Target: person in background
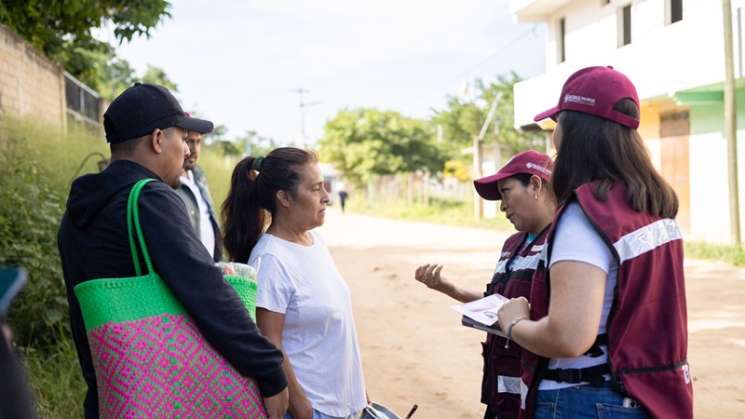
522	187
343	195
195	193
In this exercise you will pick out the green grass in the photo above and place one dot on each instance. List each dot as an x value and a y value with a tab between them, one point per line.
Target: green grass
37	165
218	169
58	385
734	255
438	211
460	213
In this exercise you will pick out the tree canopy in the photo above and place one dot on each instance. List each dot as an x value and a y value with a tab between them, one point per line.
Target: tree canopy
366	142
63	30
462	119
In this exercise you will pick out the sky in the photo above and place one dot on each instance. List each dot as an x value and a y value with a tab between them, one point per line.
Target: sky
236	62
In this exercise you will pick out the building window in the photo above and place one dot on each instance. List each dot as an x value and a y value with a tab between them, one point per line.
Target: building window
561	32
624	26
673	11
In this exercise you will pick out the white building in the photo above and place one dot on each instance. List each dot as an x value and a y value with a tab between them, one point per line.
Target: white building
673	51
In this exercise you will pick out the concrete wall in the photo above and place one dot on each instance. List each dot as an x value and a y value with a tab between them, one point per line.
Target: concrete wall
660	60
709	178
30	84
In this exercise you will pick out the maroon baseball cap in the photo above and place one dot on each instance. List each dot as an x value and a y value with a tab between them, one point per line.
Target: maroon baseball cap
595	91
528	162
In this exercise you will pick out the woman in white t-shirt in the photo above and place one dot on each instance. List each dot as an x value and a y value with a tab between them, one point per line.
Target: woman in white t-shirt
303	303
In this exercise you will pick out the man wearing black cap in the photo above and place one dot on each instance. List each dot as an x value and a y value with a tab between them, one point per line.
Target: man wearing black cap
146	129
195	193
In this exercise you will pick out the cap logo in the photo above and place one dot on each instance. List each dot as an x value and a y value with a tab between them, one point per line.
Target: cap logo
582	100
538	168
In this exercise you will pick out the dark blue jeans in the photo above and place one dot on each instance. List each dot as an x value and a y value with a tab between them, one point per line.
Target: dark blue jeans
586	402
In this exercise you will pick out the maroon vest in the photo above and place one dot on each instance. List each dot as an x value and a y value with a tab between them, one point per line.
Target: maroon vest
647	326
500	387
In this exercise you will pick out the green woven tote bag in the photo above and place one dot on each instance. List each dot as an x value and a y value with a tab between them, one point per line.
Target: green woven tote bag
149	357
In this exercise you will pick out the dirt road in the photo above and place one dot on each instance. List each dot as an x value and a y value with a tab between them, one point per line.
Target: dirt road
415	351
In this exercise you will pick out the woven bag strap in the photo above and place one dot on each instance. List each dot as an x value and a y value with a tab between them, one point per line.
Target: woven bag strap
133	223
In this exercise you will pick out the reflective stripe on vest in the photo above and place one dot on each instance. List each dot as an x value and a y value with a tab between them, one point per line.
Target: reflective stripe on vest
647	238
649	252
523	394
521	262
507	384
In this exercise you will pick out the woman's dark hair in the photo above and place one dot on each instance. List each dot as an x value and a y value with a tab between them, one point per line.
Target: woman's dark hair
595	149
253	186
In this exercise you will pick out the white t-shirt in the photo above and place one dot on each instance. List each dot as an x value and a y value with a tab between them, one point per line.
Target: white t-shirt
319	335
206	233
577	240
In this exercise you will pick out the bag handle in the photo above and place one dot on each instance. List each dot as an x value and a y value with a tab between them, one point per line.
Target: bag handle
133	223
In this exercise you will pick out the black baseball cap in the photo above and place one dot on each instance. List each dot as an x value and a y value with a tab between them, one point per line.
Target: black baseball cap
144	107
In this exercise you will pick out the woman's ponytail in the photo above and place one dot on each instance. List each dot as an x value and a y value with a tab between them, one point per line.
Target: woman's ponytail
253	187
242	216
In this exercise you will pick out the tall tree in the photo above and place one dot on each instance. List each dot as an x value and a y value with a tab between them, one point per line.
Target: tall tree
62	29
463	118
115	75
366	142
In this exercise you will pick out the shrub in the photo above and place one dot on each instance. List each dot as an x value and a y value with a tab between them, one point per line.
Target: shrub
734	255
36	166
54	375
217	168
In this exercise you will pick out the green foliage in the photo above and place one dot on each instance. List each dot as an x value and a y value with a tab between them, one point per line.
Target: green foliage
437	211
218	168
54	373
109	75
226	147
114	75
62	29
734	255
250	143
463	118
220	132
255	144
36	166
365	142
156	75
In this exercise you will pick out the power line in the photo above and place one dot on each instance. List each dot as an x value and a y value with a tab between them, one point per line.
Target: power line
510	43
302	105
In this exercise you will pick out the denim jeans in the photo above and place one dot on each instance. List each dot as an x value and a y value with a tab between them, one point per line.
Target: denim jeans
319	415
586	402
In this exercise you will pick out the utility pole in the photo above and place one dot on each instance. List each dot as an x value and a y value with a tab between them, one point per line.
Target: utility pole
478	144
302	105
730	124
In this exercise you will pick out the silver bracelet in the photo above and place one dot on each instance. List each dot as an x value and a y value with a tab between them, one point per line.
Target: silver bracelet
509	330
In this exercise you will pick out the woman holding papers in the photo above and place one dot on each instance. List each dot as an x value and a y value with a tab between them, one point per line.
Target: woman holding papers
303	303
521	185
605	331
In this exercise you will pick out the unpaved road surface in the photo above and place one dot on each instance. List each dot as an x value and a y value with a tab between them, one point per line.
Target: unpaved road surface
415	351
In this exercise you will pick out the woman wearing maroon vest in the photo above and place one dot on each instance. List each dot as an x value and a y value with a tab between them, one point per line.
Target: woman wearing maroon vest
606	331
521	185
